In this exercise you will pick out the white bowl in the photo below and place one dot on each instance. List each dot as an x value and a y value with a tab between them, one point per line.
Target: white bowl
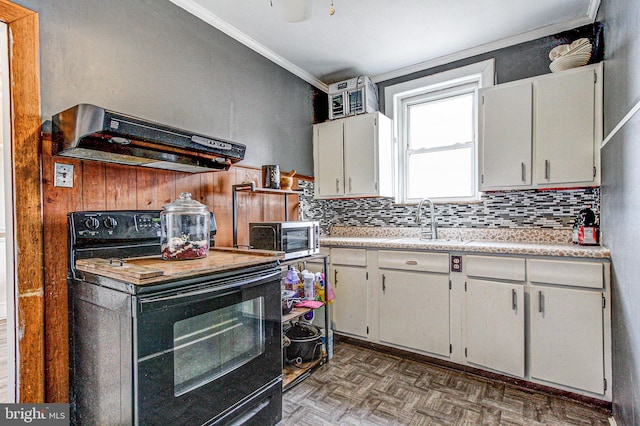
558	51
570	61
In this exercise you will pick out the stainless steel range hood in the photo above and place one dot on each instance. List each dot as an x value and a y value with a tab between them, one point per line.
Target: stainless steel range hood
92	133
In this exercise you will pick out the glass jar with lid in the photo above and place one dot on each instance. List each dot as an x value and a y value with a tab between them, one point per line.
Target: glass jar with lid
185	229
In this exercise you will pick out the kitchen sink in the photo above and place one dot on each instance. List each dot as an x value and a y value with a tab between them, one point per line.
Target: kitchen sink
438	241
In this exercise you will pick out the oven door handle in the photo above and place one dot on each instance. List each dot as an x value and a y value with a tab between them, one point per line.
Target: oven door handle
147	303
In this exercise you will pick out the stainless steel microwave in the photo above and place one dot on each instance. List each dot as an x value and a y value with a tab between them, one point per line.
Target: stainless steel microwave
294	238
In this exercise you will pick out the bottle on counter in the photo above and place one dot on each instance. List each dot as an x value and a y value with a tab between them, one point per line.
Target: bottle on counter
307	282
319	286
292	280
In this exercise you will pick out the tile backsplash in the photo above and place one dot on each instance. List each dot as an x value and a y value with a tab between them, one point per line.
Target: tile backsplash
513	209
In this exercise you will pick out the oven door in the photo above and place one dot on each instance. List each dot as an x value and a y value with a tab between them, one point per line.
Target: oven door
206	352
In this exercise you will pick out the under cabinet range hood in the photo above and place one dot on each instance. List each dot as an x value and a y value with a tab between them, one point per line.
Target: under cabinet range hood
92	133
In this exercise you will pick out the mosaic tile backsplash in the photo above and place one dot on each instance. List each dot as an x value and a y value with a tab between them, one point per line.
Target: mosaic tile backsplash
514	209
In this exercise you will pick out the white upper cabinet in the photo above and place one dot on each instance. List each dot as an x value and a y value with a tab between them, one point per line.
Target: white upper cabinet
353	157
565	129
542	132
506	135
328	156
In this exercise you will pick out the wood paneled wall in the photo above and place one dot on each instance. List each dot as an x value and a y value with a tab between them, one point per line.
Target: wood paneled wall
102	186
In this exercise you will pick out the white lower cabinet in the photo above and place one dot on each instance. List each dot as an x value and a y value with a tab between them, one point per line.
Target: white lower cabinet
494	325
349	310
542	319
414	311
567	337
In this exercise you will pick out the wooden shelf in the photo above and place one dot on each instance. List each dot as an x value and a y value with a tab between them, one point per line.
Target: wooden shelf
251	187
295	313
293	374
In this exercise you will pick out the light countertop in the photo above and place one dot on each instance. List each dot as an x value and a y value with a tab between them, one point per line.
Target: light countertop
468	245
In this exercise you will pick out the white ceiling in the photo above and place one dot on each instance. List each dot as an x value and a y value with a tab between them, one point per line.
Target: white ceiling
386	38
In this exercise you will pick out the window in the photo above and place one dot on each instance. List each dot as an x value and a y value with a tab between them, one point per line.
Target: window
435	127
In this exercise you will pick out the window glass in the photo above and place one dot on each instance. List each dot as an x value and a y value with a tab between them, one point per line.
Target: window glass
437	143
441	174
441	122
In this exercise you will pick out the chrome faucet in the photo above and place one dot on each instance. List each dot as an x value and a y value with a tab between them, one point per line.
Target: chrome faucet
434	228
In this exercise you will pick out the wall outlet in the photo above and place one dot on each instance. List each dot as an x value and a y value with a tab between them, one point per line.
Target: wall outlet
63	175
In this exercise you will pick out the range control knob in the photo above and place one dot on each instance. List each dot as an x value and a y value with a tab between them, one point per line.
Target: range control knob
92	223
110	222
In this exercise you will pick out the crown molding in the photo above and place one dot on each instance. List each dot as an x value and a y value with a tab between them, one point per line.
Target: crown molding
489	47
208	17
594	5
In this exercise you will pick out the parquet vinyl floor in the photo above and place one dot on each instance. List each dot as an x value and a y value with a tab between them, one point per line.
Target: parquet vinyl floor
361	386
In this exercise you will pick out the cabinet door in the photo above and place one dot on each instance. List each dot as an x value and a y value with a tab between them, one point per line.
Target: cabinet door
495	326
506	136
567	337
360	155
328	159
565	128
414	311
349	309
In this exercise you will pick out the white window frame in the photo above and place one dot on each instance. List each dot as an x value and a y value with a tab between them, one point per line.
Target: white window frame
480	74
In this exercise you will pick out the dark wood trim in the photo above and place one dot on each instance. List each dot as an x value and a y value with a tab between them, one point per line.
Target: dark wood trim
521	384
28	225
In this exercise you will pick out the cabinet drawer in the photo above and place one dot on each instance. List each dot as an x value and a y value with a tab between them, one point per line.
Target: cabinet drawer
579	274
501	268
347	256
413	261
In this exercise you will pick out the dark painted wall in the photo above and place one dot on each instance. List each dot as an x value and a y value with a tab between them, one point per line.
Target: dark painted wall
516	62
621	198
151	59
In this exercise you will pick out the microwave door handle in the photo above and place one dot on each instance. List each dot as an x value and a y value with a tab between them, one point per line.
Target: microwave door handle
222	289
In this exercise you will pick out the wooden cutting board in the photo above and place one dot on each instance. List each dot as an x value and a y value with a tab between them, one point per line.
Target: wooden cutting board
152	269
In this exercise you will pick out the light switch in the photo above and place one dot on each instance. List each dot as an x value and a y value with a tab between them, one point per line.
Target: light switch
63	175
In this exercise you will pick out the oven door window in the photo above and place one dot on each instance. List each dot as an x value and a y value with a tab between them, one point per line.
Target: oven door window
295	239
212	344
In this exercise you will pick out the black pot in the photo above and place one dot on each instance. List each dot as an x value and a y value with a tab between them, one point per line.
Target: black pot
306	342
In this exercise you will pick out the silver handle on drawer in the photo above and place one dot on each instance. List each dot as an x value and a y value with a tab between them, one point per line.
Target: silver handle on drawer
384	284
547	167
411	262
335	278
540	302
523	169
514	299
337	185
